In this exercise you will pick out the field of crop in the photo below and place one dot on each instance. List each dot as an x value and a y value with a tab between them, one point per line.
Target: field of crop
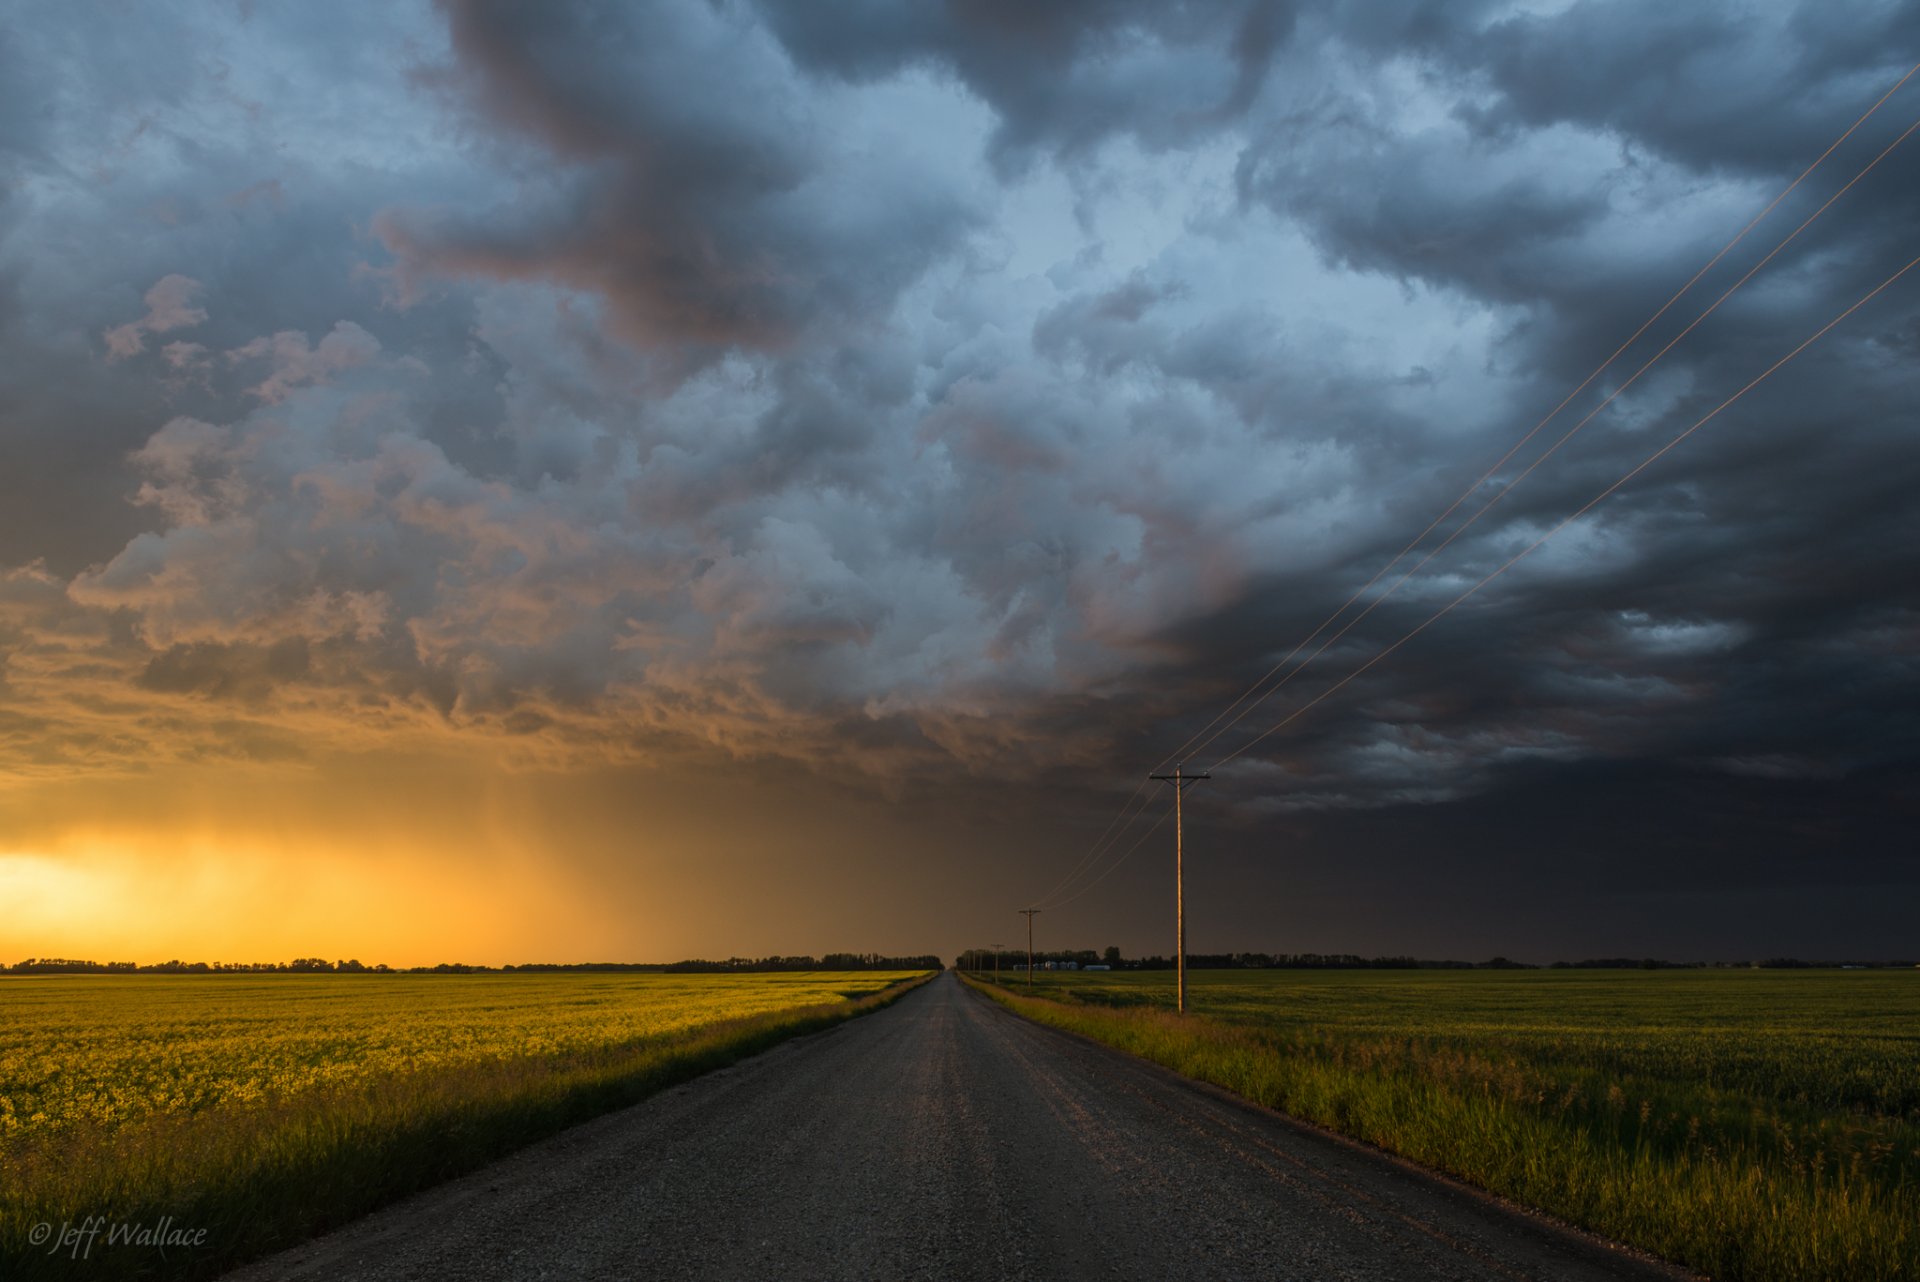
266	1108
1758	1125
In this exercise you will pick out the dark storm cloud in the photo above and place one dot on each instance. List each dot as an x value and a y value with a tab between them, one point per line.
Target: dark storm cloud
918	390
221	673
1059	77
1634	859
1503	185
691	186
1715	88
1479	193
146	163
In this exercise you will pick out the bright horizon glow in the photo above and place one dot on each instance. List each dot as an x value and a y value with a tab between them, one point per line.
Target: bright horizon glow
107	895
414	861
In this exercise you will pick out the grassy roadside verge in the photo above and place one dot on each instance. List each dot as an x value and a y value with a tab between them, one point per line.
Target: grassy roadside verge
1733	1206
260	1179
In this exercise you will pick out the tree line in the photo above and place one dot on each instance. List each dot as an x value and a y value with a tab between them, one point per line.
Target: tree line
352	966
1012	959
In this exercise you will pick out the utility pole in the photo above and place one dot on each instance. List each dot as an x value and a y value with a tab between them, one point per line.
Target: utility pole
996	961
1028	914
1181	782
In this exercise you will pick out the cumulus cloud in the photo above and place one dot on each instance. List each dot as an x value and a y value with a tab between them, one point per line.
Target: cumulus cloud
1060	78
169	307
704	218
294	362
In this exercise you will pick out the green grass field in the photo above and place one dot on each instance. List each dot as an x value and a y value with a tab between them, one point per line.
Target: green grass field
1760	1125
264	1109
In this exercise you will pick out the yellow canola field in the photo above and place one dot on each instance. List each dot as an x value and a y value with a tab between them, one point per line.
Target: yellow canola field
111	1049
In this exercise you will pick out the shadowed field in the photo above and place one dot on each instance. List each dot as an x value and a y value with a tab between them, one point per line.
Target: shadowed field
1753	1124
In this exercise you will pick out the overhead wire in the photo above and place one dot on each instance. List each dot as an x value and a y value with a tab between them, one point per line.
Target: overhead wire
1128	812
1208	734
1517	446
1108	871
1568	435
1586	507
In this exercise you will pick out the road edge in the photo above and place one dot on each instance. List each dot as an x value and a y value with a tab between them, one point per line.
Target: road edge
1542	1221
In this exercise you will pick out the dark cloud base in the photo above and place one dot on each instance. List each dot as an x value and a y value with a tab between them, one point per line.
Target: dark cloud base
1627	859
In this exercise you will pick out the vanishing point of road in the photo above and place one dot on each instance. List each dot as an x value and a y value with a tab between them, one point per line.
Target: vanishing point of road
944	1138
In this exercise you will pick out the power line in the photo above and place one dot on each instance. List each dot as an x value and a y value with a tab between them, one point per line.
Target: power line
1139	792
1115	830
1190	745
1549	451
1586	507
1111	868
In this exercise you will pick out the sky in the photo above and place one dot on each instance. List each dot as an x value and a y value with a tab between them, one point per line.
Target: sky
582	481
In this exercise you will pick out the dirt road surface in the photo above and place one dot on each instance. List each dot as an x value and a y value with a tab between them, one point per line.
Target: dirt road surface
944	1138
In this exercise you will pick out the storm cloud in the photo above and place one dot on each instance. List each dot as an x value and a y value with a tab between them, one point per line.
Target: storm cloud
941	392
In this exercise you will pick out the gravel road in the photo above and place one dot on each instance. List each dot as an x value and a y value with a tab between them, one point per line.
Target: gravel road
945	1138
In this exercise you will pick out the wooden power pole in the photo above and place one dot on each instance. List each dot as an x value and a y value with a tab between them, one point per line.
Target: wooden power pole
1181	782
1028	914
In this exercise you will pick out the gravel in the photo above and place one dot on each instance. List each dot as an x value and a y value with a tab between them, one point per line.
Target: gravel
944	1138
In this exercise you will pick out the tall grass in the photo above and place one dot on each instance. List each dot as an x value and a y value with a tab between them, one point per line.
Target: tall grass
256	1179
1737	1185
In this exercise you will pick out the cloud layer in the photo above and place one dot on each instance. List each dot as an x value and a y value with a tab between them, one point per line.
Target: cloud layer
965	387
